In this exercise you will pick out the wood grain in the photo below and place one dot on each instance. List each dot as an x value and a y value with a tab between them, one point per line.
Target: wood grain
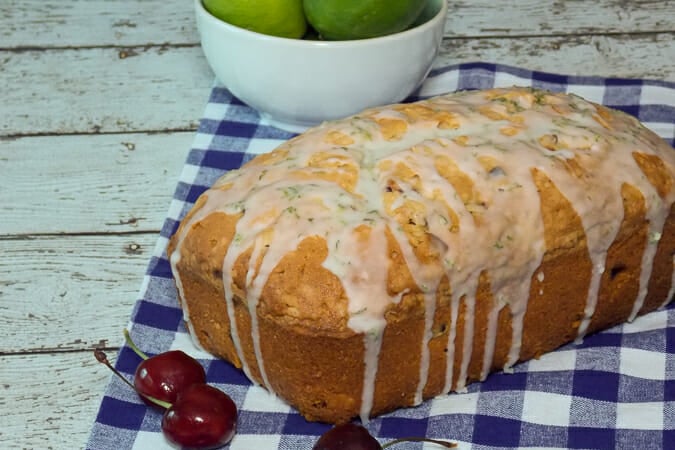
518	18
156	89
64	293
154	22
110	183
102	90
627	56
119	22
49	401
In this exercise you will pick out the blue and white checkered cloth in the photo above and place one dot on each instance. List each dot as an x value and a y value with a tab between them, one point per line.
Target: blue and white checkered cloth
616	390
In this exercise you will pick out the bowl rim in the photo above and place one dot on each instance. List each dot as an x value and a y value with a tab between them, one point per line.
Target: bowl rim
303	43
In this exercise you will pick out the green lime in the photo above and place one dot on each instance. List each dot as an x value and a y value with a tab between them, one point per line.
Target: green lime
361	19
283	18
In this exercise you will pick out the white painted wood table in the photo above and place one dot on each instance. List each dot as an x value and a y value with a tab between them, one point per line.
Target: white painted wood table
98	104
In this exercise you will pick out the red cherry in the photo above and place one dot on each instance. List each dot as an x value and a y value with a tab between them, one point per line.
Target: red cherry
202	417
348	436
165	375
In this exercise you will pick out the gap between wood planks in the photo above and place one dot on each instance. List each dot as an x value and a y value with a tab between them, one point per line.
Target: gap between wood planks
130	50
102	345
31	236
9	137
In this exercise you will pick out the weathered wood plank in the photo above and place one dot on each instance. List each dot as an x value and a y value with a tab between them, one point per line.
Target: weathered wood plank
81	184
49	401
60	293
102	90
487	18
36	23
132	23
630	56
159	89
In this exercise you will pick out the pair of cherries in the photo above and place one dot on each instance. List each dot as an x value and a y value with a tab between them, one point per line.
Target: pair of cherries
196	415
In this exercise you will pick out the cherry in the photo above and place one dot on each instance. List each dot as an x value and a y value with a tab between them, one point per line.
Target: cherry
202	417
164	375
350	436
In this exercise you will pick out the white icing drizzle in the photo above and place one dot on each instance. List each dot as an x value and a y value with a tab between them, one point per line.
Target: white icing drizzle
452	334
467	348
598	254
372	343
254	285
429	313
427	278
174	259
671	291
493	225
490	338
656	215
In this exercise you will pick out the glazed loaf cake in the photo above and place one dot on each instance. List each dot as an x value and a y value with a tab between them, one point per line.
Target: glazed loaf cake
376	261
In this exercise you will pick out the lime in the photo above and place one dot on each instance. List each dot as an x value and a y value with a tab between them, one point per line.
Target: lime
361	19
283	18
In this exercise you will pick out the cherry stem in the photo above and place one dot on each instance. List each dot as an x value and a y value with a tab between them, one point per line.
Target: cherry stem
103	359
130	343
445	444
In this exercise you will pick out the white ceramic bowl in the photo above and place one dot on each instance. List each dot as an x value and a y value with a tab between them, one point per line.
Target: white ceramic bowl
297	83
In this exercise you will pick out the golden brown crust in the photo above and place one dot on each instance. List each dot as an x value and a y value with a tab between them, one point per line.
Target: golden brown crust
316	361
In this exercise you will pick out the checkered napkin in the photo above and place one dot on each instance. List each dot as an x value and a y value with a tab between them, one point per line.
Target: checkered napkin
615	390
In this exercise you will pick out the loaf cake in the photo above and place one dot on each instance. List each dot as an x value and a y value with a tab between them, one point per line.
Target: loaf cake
376	261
